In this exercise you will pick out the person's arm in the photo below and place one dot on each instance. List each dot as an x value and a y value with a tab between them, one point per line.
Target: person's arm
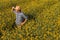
24	20
13	9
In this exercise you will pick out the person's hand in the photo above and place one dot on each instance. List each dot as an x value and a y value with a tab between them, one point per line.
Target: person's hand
13	8
21	24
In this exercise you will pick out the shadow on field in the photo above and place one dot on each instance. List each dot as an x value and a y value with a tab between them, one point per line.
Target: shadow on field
30	17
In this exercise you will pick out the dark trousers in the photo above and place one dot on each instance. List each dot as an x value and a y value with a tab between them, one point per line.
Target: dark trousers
14	25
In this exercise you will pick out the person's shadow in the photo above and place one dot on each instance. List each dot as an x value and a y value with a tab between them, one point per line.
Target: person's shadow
30	17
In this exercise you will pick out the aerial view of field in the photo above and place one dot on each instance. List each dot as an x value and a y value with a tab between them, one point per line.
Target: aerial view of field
43	20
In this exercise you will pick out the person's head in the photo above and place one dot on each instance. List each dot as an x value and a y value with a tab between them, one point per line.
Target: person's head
18	8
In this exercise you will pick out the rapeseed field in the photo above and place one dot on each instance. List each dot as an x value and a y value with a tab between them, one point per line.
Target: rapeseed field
43	20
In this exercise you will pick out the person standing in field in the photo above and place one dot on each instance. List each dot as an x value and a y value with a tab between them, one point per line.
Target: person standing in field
20	17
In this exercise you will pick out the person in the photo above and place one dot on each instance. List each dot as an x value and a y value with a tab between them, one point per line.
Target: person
20	17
